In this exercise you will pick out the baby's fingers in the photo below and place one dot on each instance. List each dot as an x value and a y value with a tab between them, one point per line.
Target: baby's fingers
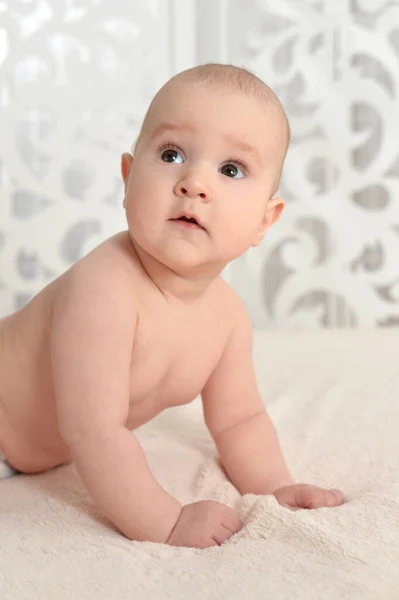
310	498
332	498
222	535
336	497
318	498
232	523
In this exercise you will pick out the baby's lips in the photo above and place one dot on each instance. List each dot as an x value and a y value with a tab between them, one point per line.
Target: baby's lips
188	216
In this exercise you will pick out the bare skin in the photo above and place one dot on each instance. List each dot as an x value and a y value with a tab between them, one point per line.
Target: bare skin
144	322
162	375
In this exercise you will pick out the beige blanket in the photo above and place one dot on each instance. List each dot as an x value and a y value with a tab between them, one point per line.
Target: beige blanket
334	397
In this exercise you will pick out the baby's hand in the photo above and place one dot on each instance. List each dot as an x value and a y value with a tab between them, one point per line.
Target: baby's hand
203	524
303	495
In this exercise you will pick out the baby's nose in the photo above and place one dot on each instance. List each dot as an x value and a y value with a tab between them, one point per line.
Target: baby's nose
193	189
200	194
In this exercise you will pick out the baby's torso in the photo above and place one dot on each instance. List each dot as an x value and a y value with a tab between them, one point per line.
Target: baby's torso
173	355
174	351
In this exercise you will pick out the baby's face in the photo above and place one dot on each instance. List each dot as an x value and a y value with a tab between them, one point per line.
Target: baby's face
210	155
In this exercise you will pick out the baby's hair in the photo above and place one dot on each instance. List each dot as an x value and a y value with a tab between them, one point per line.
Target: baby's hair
236	79
241	80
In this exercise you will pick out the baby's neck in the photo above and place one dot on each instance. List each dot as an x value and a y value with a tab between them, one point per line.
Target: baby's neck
176	286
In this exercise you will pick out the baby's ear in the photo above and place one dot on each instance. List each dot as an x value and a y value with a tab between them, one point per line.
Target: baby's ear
273	212
126	163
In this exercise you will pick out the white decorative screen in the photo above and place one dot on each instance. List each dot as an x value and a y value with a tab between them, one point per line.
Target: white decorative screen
77	75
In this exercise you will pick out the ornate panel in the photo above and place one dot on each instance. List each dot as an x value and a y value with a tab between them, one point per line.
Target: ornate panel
332	261
76	77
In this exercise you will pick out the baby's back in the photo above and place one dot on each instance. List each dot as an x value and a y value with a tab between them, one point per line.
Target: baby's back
29	433
175	348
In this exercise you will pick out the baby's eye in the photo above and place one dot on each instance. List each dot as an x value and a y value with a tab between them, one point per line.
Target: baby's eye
233	171
171	155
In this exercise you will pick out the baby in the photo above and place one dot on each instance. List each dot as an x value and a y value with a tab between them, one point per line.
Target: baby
145	322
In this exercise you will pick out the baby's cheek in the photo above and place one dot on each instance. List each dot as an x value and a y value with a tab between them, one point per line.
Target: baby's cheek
242	228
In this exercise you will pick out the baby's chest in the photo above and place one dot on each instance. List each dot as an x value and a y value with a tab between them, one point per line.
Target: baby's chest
172	369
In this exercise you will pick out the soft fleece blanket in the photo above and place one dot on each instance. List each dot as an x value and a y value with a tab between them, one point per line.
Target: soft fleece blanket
334	397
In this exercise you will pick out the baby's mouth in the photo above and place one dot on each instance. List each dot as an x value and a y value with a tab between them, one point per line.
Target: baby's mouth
189	222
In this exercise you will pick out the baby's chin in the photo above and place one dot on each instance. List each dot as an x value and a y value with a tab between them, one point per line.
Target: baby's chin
184	263
182	257
189	259
177	255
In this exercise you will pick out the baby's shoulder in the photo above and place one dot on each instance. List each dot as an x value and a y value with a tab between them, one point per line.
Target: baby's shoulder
109	269
231	303
115	252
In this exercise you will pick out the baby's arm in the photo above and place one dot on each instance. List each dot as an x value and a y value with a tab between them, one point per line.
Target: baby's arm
246	438
235	415
93	330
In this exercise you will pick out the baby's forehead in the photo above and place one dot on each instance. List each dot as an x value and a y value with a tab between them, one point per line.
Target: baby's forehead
178	107
235	110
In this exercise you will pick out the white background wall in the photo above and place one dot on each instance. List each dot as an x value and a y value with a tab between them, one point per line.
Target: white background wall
76	77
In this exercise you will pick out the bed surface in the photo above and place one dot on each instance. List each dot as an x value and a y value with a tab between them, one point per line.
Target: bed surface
334	398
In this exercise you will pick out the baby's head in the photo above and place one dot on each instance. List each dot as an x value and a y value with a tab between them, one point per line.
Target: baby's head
211	147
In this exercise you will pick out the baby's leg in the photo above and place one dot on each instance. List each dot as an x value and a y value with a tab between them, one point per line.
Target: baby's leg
6	470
